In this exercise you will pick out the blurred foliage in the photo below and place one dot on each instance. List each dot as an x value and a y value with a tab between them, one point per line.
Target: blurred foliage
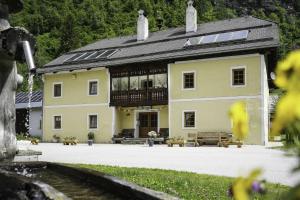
63	25
287	116
240	120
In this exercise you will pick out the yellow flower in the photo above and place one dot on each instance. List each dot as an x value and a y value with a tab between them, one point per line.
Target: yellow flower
240	119
288	72
287	111
242	186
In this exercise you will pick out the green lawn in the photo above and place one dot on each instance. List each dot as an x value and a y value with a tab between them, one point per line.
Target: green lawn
182	184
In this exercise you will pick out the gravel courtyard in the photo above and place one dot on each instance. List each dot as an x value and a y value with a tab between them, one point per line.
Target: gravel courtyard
205	160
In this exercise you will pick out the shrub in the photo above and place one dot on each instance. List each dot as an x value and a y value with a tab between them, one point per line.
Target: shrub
26	136
91	136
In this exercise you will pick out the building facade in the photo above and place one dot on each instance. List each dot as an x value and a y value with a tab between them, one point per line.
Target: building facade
182	80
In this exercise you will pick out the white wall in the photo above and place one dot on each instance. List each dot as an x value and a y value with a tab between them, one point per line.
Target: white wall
34	122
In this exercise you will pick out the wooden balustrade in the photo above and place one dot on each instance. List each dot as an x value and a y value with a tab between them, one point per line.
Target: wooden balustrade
153	96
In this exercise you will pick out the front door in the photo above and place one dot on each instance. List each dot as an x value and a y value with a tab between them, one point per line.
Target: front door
148	122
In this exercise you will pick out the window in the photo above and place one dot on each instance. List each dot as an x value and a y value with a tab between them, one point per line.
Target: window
57	89
57	122
93	88
140	82
188	80
93	121
147	84
189	119
40	124
238	77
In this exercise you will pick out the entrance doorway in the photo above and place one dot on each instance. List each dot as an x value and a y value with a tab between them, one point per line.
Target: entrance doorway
148	122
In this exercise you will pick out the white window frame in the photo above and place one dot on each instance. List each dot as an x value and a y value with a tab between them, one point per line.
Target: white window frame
61	88
182	80
183	122
88	87
53	122
88	121
231	76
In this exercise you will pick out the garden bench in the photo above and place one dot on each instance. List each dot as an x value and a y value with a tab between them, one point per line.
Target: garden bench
173	141
126	133
218	138
192	140
164	133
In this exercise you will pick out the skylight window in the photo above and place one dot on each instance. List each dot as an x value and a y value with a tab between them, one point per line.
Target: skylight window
95	55
224	37
208	39
73	57
87	55
238	35
92	55
107	53
216	38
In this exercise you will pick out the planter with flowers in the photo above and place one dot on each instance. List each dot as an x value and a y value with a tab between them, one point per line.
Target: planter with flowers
91	137
152	135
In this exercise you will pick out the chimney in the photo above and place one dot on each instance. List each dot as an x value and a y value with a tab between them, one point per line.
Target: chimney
142	27
191	18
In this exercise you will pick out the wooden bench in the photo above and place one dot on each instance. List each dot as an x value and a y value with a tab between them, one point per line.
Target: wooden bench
126	133
164	133
192	140
218	138
159	140
174	141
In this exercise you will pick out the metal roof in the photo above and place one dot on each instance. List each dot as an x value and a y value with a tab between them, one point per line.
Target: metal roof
22	99
170	44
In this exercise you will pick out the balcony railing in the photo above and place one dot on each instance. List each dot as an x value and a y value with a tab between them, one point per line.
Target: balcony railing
150	97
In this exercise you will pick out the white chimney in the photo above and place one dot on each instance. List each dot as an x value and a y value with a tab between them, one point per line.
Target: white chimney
142	27
191	18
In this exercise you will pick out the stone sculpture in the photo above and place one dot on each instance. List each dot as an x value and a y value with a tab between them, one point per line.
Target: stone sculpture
15	45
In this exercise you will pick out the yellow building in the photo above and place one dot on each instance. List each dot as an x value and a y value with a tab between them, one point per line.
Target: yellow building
178	81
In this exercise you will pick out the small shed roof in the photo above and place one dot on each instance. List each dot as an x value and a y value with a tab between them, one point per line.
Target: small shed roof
22	99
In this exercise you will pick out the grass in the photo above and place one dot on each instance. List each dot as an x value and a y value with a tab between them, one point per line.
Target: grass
185	185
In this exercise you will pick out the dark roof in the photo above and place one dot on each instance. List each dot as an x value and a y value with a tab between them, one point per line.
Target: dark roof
22	97
169	44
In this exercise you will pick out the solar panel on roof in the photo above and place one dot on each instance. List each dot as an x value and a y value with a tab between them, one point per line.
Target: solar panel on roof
238	35
73	57
101	54
224	37
208	39
107	53
86	55
95	55
79	57
194	41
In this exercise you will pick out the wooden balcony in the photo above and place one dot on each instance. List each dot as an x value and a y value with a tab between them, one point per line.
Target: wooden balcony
149	97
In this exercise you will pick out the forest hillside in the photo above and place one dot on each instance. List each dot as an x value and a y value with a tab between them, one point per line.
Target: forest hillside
63	25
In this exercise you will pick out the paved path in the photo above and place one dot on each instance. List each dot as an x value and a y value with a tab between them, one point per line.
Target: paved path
205	160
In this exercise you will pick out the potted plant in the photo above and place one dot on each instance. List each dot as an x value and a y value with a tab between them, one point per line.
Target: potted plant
35	141
91	137
152	135
56	139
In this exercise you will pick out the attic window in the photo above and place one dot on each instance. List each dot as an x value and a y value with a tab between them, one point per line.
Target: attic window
92	55
216	38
